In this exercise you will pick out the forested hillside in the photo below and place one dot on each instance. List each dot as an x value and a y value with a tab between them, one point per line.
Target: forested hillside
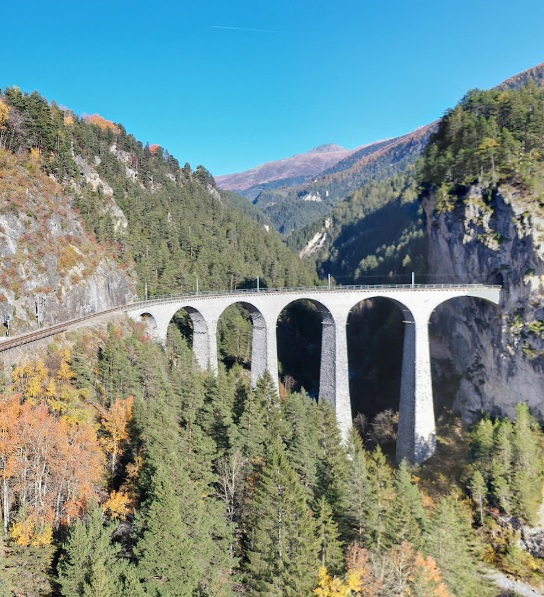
292	208
127	471
143	476
168	222
375	236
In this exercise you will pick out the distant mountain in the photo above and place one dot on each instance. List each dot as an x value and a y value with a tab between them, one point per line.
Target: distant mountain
293	170
535	74
293	198
293	207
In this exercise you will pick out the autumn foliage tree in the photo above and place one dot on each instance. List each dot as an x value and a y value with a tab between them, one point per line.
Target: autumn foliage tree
50	467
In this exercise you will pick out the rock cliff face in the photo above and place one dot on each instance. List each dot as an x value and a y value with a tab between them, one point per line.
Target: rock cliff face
50	268
489	358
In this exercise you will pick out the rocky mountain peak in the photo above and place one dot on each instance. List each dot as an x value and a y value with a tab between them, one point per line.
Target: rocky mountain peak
328	148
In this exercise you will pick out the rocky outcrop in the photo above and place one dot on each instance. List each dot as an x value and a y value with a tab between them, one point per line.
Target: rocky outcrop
51	269
489	358
92	178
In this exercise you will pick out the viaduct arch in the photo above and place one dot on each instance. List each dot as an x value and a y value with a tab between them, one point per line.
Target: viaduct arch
416	434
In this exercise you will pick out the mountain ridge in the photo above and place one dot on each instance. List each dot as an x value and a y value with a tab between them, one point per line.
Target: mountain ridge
303	166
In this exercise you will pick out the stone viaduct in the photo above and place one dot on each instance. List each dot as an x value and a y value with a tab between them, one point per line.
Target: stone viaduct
416	433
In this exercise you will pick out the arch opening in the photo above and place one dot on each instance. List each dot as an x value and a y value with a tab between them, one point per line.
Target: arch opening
188	330
463	333
375	338
301	327
235	335
242	339
150	323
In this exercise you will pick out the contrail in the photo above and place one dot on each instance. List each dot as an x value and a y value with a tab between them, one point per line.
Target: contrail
242	29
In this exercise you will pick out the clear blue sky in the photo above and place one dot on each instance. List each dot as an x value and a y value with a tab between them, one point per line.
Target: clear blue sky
231	84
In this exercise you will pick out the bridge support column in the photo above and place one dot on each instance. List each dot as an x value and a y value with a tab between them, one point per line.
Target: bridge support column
327	373
271	347
417	431
204	342
334	377
259	346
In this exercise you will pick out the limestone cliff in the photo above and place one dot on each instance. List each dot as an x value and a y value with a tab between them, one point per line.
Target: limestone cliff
50	267
488	358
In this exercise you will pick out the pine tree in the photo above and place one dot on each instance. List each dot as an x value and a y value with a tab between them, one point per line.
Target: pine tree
333	466
252	431
406	520
267	395
180	503
478	491
330	548
450	542
282	555
527	465
481	447
302	438
165	552
25	570
382	500
92	564
361	492
216	415
502	464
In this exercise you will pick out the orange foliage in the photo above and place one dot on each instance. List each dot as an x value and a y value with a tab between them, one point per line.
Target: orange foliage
104	124
427	577
50	466
359	562
153	148
400	571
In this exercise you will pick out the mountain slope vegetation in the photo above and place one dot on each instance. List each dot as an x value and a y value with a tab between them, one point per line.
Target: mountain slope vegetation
292	208
168	223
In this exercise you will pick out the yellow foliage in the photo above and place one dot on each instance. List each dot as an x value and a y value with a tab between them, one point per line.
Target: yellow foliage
4	113
118	505
27	532
30	379
35	154
51	389
68	119
37	384
488	144
65	372
336	587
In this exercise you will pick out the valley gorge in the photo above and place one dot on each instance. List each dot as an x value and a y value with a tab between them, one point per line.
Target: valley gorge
129	468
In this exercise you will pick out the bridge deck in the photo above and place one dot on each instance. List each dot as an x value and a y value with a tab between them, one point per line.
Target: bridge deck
11	342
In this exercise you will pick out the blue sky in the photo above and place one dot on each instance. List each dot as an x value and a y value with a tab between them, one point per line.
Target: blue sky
231	84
